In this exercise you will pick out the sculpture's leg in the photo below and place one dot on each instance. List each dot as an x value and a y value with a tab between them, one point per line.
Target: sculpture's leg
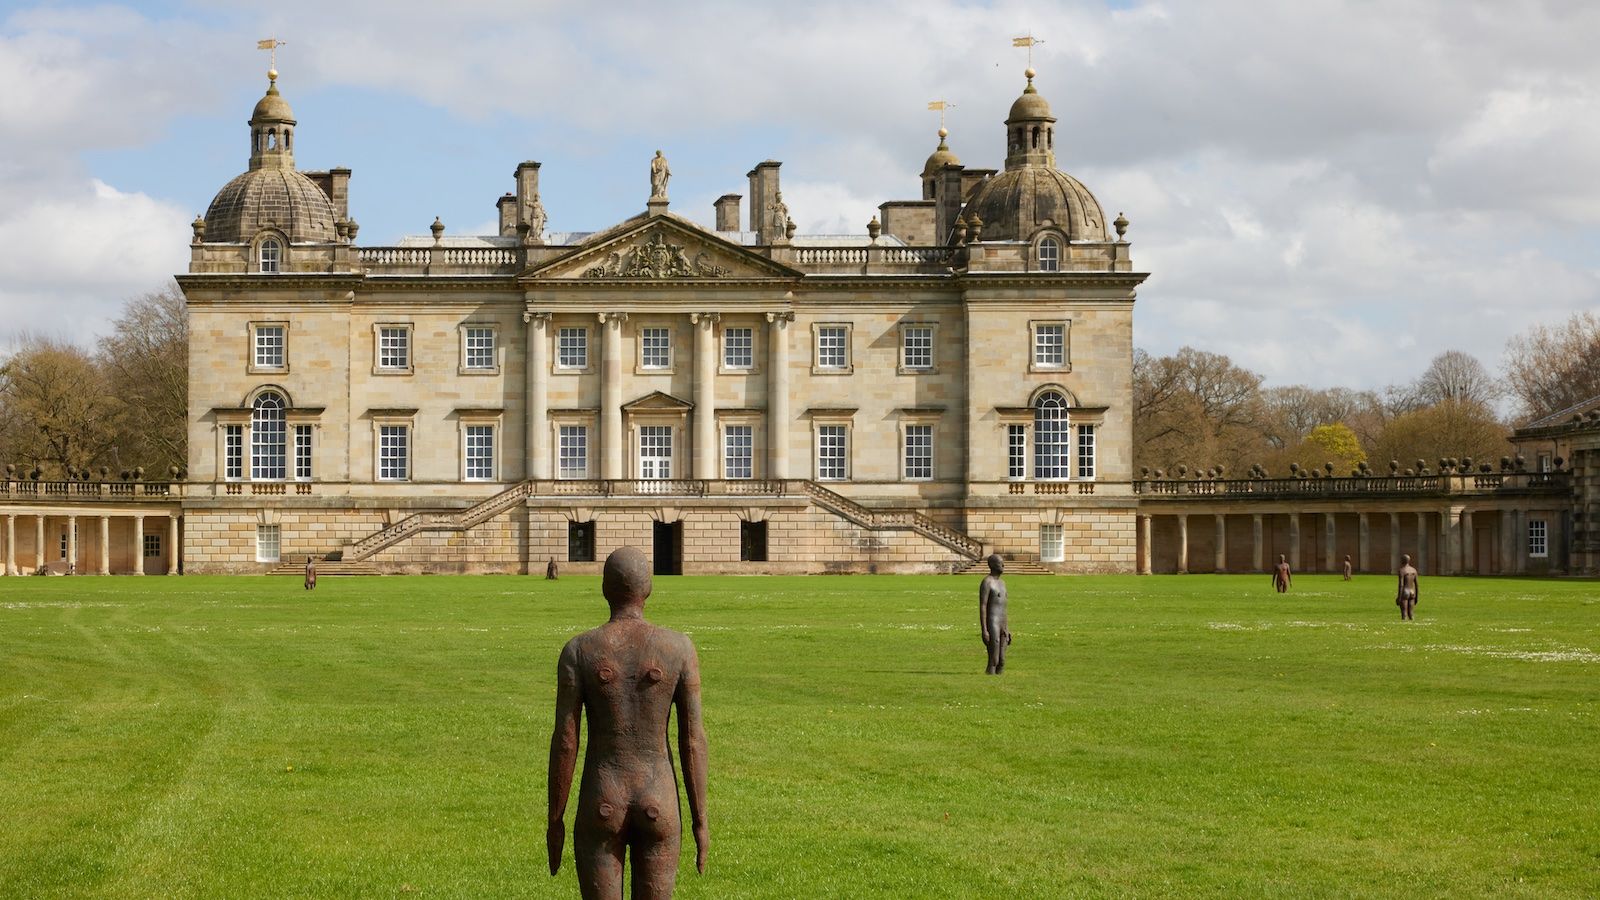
992	647
654	847
599	858
1001	640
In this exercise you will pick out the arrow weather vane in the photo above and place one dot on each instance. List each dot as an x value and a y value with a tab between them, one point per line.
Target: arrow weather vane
941	106
1027	40
272	45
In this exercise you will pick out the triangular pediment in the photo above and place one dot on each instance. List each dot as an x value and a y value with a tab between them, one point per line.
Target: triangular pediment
657	401
656	249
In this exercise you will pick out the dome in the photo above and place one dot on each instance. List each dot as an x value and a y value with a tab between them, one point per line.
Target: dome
1018	202
1030	105
278	198
940	158
272	107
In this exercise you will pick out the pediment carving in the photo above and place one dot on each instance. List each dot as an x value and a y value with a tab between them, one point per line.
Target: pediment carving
656	257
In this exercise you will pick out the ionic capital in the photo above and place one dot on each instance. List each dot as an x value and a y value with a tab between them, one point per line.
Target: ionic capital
537	319
705	318
781	317
612	317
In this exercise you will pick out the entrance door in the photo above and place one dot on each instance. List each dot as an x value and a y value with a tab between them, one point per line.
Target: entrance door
655	451
668	547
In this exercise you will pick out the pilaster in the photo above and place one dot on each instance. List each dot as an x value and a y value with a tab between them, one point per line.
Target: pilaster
705	375
138	545
778	393
1364	545
1255	535
611	436
105	547
536	441
1222	542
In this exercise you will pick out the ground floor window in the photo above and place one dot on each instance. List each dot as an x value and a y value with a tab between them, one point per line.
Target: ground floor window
1538	539
1052	546
393	452
152	545
580	541
830	453
919	452
267	543
752	541
480	453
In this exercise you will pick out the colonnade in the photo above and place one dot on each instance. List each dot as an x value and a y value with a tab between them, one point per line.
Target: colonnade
12	561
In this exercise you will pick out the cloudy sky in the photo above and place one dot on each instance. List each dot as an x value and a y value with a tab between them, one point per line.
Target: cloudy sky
1329	192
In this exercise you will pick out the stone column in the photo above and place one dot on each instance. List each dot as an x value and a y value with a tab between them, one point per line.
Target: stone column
138	545
1519	542
1469	558
1146	565
611	437
1183	543
11	545
72	544
705	394
38	542
1449	543
105	546
1394	541
1294	540
1255	555
1363	548
778	393
1330	548
172	544
1507	547
1222	542
1421	554
536	442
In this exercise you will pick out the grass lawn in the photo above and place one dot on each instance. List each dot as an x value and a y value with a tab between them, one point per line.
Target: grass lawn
236	737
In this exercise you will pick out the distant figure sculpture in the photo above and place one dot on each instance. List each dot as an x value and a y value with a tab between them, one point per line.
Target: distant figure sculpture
659	173
550	571
992	623
1406	592
1347	568
1281	576
780	215
535	217
628	674
311	574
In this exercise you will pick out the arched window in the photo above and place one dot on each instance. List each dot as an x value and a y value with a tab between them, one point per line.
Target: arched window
1049	255
271	255
267	444
1035	137
1050	436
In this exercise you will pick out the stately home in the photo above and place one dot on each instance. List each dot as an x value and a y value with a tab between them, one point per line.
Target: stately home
955	380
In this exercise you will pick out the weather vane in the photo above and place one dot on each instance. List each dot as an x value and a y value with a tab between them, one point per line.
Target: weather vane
1027	40
271	45
941	106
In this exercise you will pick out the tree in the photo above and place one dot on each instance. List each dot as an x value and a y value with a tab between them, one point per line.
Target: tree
1549	368
1451	429
1454	375
146	360
58	410
1195	408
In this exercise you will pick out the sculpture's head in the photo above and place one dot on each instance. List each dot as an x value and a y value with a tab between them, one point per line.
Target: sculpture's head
1405	559
1282	558
997	566
627	578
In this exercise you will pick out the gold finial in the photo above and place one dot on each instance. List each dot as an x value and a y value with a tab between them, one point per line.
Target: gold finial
1028	40
271	45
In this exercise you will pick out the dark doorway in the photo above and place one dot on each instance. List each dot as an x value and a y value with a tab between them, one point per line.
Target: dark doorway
668	546
580	541
753	541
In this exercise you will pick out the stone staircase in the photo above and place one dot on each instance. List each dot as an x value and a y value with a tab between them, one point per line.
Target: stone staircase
1013	567
327	567
460	520
854	512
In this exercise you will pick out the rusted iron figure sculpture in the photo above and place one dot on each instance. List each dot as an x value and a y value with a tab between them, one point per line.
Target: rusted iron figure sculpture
627	674
992	623
311	574
1406	592
550	571
1281	576
1347	568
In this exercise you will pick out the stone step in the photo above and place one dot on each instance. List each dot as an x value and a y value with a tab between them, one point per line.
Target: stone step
327	567
1013	567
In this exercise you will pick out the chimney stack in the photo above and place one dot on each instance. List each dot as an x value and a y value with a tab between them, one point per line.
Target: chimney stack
763	196
727	212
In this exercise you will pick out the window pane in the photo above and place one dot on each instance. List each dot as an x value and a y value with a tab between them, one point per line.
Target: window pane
267	439
738	443
1050	345
1538	533
152	545
572	348
480	348
919	451
573	452
830	453
917	350
1086	451
1016	451
394	348
267	545
480	452
655	451
233	467
393	454
831	347
656	352
269	346
1052	547
738	348
271	255
302	452
1050	436
1049	255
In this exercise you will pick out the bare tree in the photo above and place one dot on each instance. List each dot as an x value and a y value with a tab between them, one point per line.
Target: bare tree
146	361
57	410
1458	376
1195	408
1549	368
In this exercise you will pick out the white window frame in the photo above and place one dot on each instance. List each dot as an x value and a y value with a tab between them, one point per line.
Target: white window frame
574	436
484	429
269	255
379	447
916	457
1046	363
1052	543
304	465
477	331
269	458
265	330
730	359
645	335
821	331
826	434
152	545
1085	463
1538	539
1057	468
578	335
404	331
663	468
1016	452
738	450
233	452
917	332
1049	262
269	543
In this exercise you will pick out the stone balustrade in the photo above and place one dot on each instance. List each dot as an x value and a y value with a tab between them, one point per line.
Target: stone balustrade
1364	486
440	260
35	491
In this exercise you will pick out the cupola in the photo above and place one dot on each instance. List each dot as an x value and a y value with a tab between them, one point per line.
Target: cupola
272	129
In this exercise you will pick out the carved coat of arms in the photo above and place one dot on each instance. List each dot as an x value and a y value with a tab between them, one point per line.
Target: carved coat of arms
655	258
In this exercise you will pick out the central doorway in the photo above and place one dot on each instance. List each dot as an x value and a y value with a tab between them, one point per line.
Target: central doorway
668	547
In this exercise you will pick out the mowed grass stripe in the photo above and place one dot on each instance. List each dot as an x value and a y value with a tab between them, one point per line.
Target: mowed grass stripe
1151	736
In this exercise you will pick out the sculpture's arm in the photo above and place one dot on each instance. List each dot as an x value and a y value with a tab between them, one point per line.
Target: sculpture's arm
563	751
983	610
692	751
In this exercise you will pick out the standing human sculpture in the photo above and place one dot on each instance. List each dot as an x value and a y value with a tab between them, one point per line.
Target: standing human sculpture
993	625
628	675
1348	568
1407	591
1282	577
659	173
311	574
780	215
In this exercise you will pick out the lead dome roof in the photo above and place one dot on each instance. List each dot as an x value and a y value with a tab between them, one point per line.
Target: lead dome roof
281	199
